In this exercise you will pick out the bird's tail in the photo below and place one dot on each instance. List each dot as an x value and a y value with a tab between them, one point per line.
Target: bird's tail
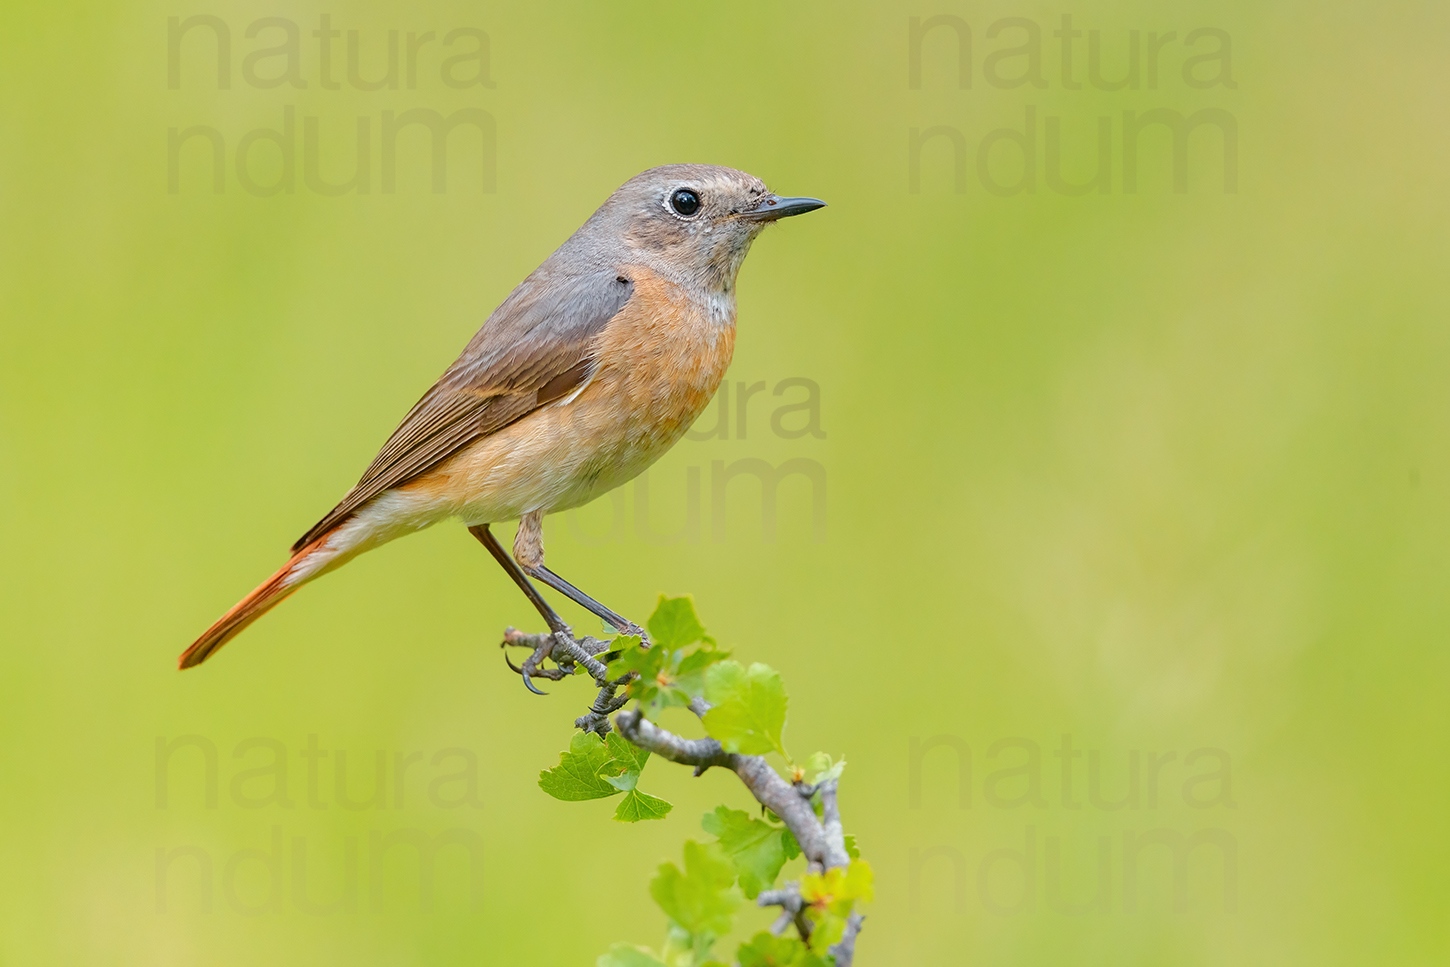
263	598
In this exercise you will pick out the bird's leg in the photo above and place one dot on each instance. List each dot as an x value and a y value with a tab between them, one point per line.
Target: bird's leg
529	556
620	623
529	552
551	617
558	644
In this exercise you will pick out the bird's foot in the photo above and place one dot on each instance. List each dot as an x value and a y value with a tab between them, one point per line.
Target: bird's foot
606	703
567	654
560	647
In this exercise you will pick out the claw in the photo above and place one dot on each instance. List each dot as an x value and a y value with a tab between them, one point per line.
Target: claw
525	675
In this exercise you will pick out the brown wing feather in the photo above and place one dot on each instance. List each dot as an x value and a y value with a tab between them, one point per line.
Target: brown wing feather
535	348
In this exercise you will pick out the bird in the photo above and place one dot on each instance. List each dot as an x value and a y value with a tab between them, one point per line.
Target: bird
589	371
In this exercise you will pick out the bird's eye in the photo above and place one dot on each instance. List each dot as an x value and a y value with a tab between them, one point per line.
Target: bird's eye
685	202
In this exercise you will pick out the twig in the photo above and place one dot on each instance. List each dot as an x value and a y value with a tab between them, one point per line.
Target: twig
820	847
822	841
792	910
844	950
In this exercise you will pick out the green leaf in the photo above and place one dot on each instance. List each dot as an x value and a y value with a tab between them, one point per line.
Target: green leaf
624	782
577	776
664	677
633	658
674	623
701	899
828	928
792	848
626	955
645	663
838	887
829	898
819	767
749	707
690	670
767	950
627	756
626	753
851	849
756	849
592	769
637	806
654	684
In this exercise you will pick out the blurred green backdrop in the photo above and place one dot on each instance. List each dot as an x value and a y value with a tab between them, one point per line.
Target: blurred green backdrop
1160	471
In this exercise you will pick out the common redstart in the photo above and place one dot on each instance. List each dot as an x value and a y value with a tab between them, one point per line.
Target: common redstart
584	376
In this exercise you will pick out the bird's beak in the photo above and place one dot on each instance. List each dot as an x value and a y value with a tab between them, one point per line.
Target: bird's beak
773	207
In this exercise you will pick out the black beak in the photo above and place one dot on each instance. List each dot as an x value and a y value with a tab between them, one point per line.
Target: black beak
773	207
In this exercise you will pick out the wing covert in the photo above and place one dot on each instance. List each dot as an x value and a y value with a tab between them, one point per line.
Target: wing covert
533	349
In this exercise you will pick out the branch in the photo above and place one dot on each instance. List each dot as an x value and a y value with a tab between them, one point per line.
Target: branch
820	846
844	950
792	910
831	821
821	840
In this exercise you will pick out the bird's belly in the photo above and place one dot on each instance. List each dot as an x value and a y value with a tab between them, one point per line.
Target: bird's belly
620	448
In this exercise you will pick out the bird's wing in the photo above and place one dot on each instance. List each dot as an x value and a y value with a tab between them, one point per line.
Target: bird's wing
535	348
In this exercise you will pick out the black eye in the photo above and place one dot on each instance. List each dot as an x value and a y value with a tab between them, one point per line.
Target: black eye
685	201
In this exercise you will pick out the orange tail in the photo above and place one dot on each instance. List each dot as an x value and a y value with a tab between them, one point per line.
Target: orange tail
263	598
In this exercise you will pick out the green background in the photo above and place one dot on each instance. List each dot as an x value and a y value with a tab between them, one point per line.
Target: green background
1159	471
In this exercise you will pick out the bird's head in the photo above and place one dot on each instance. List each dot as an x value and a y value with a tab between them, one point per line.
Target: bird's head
693	223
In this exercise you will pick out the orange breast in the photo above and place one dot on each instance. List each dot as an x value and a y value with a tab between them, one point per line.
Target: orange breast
665	354
660	361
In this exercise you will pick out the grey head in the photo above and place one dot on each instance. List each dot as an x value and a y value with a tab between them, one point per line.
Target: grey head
693	224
